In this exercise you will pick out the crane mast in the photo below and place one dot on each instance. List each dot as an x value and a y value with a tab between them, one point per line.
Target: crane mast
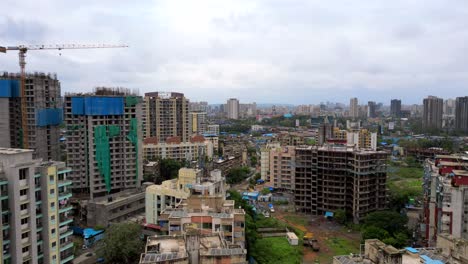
22	50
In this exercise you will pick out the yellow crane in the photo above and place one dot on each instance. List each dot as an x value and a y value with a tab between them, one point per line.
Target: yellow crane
22	50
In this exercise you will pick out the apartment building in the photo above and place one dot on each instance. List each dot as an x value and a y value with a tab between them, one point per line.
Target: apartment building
175	149
41	112
207	211
104	141
395	108
166	115
232	108
169	194
198	123
353	108
192	248
282	168
330	178
445	186
265	160
362	138
461	114
35	209
213	129
432	112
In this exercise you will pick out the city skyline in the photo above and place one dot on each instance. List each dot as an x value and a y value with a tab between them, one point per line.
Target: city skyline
300	52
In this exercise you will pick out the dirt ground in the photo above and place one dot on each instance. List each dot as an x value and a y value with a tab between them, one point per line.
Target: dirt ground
324	231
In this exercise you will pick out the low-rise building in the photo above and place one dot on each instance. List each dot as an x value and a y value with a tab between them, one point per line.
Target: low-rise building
174	148
169	194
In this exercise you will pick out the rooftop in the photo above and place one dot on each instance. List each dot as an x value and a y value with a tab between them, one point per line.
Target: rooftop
11	151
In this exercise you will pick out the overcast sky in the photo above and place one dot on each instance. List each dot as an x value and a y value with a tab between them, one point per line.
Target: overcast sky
272	51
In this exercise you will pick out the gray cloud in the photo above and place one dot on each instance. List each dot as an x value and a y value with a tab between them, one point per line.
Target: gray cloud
265	50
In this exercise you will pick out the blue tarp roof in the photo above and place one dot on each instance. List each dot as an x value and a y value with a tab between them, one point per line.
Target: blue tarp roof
288	115
89	232
428	260
412	250
270	205
328	214
260	181
251	194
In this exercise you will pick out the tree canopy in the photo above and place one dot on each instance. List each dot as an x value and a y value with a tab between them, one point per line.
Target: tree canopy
238	174
121	243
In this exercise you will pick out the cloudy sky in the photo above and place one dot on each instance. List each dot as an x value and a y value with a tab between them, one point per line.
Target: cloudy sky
272	51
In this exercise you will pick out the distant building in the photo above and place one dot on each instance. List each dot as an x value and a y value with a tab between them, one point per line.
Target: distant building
175	149
353	108
35	209
265	160
461	114
362	138
104	141
371	109
43	114
395	108
198	123
166	115
432	113
233	108
376	252
213	129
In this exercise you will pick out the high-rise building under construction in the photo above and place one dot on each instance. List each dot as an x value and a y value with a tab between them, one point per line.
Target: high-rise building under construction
43	106
104	141
332	178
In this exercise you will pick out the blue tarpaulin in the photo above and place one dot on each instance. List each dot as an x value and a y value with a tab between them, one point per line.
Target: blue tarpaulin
49	117
93	105
9	88
328	214
412	250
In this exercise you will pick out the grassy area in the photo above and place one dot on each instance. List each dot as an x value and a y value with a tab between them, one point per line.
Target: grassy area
342	246
276	250
296	219
405	180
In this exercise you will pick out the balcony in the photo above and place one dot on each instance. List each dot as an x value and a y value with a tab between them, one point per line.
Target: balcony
66	245
24	197
62	183
23	183
65	195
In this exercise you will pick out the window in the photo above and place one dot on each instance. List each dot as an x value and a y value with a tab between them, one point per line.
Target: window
23	206
52	191
25	235
23	174
23	192
53	231
52	218
51	178
24	221
25	249
52	204
54	244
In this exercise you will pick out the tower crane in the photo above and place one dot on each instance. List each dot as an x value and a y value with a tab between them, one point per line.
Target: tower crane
22	50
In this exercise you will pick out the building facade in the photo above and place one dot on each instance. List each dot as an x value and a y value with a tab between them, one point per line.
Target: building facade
104	141
371	109
232	108
432	113
35	209
282	168
353	108
175	149
198	123
42	110
461	114
395	108
166	115
332	178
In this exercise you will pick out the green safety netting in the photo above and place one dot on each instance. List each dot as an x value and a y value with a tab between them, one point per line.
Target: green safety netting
101	139
114	130
133	137
131	100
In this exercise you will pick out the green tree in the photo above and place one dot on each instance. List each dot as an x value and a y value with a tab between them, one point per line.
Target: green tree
121	243
236	175
373	232
340	216
390	221
265	191
169	169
